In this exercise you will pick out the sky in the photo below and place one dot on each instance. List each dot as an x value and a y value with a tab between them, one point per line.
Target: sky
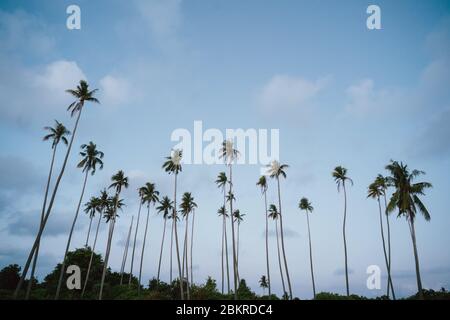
339	93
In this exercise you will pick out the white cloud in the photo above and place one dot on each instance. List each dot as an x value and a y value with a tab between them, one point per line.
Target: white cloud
288	92
362	98
114	90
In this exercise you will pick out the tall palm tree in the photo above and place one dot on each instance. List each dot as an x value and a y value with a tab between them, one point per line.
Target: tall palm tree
263	283
91	208
383	184
91	159
173	165
275	171
238	217
135	235
374	191
56	135
119	181
308	208
221	182
262	183
166	206
229	154
186	207
82	94
125	251
340	177
274	214
150	197
406	200
103	202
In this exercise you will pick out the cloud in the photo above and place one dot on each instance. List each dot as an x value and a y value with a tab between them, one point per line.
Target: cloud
341	271
114	91
288	92
363	98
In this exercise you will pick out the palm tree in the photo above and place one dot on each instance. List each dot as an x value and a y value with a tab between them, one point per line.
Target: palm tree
135	235
91	208
173	165
103	202
91	159
125	251
275	171
406	200
375	192
263	283
238	217
262	183
150	196
192	242
340	177
229	154
166	205
383	184
186	207
221	182
119	181
308	208
56	134
274	214
82	95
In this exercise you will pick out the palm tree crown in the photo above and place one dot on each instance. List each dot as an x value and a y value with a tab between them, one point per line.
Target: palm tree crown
227	152
173	162
119	181
82	94
222	211
340	176
273	212
262	183
305	205
92	206
91	158
187	204
221	180
149	194
57	134
276	169
166	206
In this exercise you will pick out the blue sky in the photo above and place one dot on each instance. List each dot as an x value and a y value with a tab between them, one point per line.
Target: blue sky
338	92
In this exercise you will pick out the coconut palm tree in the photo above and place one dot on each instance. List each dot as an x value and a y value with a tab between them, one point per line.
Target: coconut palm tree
91	159
340	177
406	199
150	197
135	235
119	181
166	206
263	283
229	155
56	135
125	251
275	171
274	214
82	95
221	182
173	165
308	208
91	208
374	191
262	183
383	184
186	207
238	218
103	202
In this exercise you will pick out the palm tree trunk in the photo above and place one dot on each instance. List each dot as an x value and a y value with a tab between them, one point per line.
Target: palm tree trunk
279	257
226	241
143	248
222	255
162	246
49	210
125	252
416	259
311	256
384	246
185	257
134	242
61	275
33	267
176	236
92	255
233	236
282	241
267	245
345	241
171	251
389	249
89	231
237	251
192	244
108	246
